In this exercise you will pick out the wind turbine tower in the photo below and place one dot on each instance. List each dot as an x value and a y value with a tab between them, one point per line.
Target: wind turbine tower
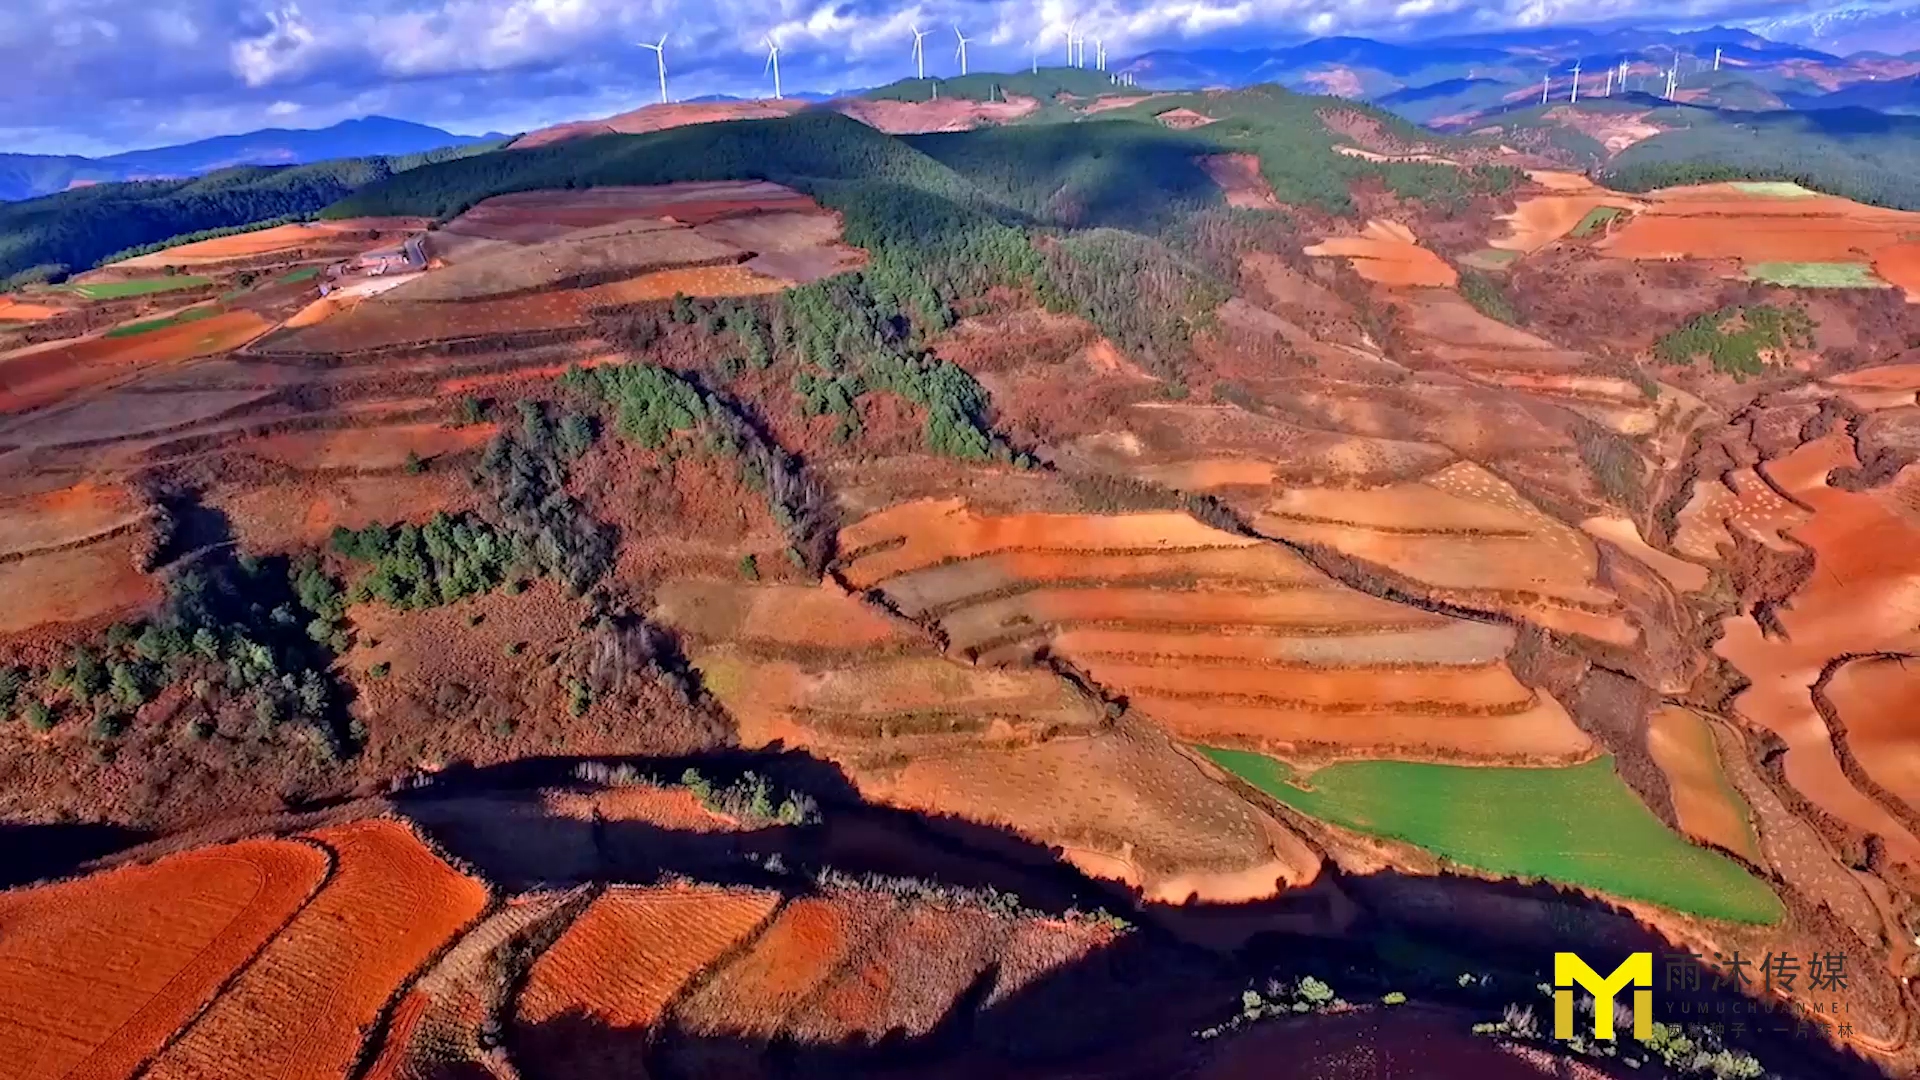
961	52
1574	97
660	55
1071	27
1545	82
1608	92
1673	76
919	53
1100	53
1716	59
773	64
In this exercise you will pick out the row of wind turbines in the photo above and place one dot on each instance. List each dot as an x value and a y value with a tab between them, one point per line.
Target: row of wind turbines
1619	73
1076	57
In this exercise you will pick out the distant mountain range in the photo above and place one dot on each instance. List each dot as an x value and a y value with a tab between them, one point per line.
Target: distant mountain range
25	176
1455	80
1892	29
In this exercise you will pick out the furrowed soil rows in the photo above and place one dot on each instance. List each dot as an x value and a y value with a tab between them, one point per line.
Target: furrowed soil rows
914	971
1703	798
1580	825
748	1001
618	967
1121	807
302	1008
96	974
821	615
443	1021
281	239
1387	253
1540	732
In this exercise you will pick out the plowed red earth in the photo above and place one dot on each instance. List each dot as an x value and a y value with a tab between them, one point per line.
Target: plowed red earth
281	239
44	375
1877	700
1718	221
75	585
1386	252
96	974
659	118
618	966
302	1008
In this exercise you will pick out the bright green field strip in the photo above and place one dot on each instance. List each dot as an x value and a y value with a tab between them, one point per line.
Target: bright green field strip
1580	826
115	290
1596	219
1779	189
304	274
1816	275
187	316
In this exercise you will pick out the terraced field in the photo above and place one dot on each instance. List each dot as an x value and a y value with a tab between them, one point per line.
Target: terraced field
1212	634
1578	825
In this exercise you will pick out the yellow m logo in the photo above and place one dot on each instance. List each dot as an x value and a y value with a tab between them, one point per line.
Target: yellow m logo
1569	970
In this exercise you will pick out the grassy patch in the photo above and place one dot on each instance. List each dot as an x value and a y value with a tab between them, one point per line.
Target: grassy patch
117	290
1487	297
1776	189
1596	219
1578	825
147	325
1816	275
1490	259
305	273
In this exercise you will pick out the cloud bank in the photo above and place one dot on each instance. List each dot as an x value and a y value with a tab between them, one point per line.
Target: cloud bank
97	76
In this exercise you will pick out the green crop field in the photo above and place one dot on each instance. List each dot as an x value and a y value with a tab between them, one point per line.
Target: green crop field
119	290
1596	220
1579	825
1816	275
146	325
305	273
1778	189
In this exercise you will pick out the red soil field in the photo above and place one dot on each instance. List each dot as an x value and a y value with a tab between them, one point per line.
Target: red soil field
19	311
821	615
65	516
1703	799
1121	806
1541	219
96	974
44	375
677	809
619	965
1543	734
1488	689
1719	221
918	965
530	216
284	516
75	585
277	240
1877	700
751	997
1898	264
1387	253
659	118
377	324
933	531
1239	177
1863	597
466	384
303	1007
946	114
369	448
1268	566
704	281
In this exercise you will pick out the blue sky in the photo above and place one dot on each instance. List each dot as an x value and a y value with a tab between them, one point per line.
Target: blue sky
98	76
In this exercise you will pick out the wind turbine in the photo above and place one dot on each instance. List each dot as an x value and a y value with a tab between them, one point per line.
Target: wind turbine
919	52
1100	53
1071	27
1608	92
1545	82
660	54
961	52
1673	76
1574	97
1716	59
773	64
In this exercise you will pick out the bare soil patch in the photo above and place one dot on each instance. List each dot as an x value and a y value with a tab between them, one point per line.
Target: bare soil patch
1875	699
371	449
659	118
44	375
1386	252
946	114
1239	176
1703	798
76	585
